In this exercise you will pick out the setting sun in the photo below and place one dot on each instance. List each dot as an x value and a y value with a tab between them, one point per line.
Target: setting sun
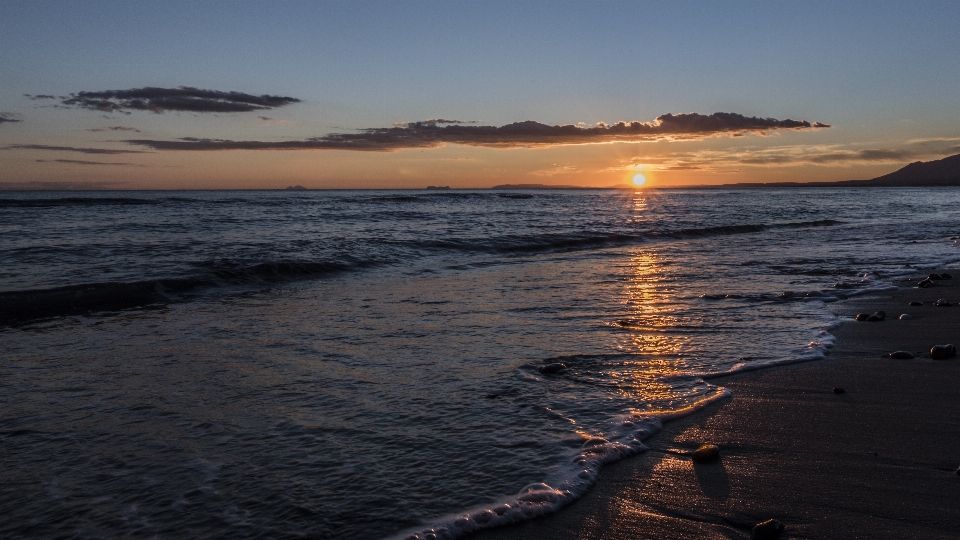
639	179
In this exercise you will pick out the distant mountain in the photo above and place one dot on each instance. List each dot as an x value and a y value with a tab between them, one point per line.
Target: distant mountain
535	186
942	172
552	186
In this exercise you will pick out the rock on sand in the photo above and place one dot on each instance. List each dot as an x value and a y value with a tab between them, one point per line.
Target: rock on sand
767	530
942	352
707	453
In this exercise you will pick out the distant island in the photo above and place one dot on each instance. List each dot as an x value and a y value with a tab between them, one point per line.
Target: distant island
296	188
438	187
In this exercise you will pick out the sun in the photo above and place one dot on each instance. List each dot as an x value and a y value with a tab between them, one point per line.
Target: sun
639	180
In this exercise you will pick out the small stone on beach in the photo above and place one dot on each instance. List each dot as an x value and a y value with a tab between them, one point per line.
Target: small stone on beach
916	303
905	316
877	317
942	352
707	453
767	530
942	302
902	355
925	284
551	369
945	275
862	316
838	390
934	277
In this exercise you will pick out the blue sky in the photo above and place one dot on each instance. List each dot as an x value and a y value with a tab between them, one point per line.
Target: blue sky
882	74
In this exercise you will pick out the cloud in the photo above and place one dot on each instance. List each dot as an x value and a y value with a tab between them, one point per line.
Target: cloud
84	162
556	169
791	156
433	133
8	117
184	98
435	121
41	96
57	185
114	128
107	151
270	120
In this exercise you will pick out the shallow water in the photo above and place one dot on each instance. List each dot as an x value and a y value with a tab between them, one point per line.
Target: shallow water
367	364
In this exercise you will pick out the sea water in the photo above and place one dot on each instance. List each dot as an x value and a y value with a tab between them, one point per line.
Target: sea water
374	364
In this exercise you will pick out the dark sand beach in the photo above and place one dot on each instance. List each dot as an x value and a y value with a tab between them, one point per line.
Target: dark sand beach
877	461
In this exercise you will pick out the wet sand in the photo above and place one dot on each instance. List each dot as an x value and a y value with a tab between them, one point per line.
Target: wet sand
877	461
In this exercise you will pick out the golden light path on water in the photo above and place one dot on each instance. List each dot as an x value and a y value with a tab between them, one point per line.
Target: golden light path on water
656	349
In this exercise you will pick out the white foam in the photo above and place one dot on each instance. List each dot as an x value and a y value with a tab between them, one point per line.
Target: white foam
626	438
581	472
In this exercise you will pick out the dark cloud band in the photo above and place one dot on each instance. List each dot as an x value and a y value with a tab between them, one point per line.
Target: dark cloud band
85	162
184	98
113	128
8	117
81	150
435	133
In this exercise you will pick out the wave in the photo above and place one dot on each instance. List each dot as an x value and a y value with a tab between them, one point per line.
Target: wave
746	228
625	438
519	244
578	476
20	307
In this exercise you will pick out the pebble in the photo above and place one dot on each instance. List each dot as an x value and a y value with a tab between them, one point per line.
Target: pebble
934	277
550	369
942	302
707	453
767	530
838	390
915	303
958	471
942	352
862	316
925	284
902	355
905	316
945	276
878	316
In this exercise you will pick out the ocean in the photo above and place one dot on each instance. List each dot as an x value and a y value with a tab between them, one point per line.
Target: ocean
397	364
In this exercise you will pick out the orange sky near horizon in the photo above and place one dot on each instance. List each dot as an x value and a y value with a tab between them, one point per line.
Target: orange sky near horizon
183	95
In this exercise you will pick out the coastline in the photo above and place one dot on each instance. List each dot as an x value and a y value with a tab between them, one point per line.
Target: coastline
877	461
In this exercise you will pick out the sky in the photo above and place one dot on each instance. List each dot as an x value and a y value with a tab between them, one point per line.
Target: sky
405	94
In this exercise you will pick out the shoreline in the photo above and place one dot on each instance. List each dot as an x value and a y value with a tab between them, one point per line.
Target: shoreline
877	461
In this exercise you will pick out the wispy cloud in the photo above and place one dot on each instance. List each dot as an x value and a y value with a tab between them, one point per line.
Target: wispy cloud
184	98
84	162
556	169
270	120
107	151
433	133
42	96
114	128
790	156
6	117
435	121
58	185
